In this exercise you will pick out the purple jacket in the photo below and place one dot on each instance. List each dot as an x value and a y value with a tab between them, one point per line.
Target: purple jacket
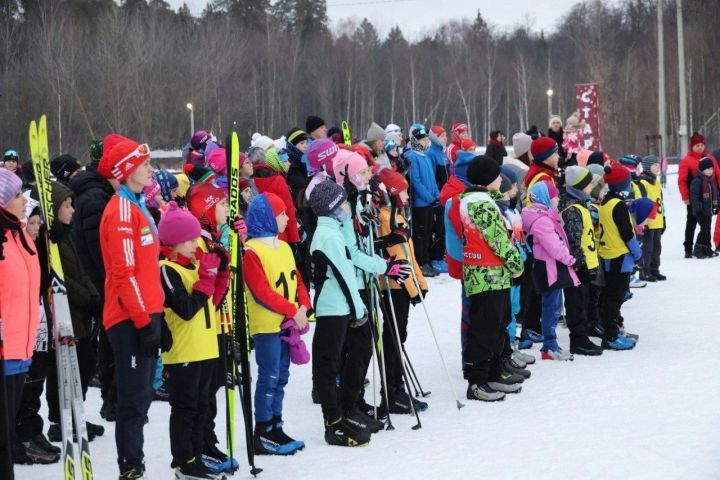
550	242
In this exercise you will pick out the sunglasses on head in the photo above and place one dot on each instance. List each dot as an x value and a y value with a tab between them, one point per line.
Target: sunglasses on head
141	151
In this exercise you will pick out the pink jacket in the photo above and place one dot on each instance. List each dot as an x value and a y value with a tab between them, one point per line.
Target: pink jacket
550	243
19	296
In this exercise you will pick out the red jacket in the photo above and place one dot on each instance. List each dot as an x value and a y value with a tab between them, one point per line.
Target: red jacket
537	168
268	180
688	169
451	190
130	251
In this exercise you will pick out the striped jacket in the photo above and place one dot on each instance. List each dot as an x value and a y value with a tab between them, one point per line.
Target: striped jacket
130	250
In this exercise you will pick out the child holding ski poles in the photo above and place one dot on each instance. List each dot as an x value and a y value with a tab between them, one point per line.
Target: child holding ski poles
278	305
193	288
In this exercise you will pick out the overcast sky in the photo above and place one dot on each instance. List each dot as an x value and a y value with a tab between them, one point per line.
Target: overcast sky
417	16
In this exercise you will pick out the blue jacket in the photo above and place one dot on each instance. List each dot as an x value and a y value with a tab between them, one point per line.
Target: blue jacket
453	243
336	289
436	153
422	179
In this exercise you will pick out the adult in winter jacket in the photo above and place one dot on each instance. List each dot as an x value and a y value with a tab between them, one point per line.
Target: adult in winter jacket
297	145
555	131
425	196
687	170
269	176
705	203
496	146
133	293
458	133
19	307
92	194
436	153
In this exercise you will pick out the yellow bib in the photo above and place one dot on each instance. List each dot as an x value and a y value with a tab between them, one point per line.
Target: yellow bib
535	179
611	244
228	300
654	193
280	272
587	241
195	339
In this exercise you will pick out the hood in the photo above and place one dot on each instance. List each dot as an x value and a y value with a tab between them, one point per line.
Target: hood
89	180
536	168
260	218
531	214
462	161
59	193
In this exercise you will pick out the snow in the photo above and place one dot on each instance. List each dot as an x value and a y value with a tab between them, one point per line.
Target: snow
648	413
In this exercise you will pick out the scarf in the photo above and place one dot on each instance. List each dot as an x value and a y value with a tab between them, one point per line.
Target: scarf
138	199
416	146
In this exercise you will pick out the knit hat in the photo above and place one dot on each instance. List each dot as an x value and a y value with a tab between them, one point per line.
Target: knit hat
390	144
393	181
392	128
177	225
313	123
10	185
276	203
150	192
167	183
468	145
96	149
183	184
521	144
200	139
261	141
457	130
643	208
596	170
696	138
583	156
272	160
326	198
510	172
350	161
203	199
198	174
543	148
375	133
617	178
335	134
420	133
59	193
28	173
483	170
217	161
649	161
506	184
296	135
256	155
437	130
64	166
573	123
553	119
121	157
705	163
597	158
321	153
578	177
630	161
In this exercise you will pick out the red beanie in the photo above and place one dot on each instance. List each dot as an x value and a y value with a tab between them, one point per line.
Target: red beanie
615	174
202	201
276	203
468	145
542	148
437	130
393	181
177	225
121	156
457	130
695	139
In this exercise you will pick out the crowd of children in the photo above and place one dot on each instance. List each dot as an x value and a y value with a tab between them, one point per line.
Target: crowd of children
554	234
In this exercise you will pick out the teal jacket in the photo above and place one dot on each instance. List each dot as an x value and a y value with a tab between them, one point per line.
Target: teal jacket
336	288
364	263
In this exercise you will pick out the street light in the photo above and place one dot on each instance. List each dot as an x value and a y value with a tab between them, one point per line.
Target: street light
549	95
192	118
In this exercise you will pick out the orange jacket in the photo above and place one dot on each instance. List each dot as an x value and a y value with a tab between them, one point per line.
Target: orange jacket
399	252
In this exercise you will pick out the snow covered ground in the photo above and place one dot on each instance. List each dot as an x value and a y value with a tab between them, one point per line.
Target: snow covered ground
645	414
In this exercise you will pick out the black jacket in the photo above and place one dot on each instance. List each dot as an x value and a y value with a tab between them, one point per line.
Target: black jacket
92	193
296	176
704	195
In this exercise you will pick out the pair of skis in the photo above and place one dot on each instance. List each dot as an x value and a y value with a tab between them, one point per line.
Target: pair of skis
70	389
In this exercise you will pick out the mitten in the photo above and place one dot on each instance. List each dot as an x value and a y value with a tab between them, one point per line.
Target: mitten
149	340
166	338
208	270
222	283
240	227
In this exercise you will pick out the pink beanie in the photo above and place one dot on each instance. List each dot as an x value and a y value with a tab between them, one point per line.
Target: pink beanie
217	161
320	155
583	156
10	185
350	161
177	226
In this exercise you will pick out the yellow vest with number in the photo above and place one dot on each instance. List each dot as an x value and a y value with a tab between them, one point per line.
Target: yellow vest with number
195	339
539	177
587	241
654	193
611	244
280	273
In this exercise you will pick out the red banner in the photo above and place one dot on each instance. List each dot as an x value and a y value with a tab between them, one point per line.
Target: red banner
587	102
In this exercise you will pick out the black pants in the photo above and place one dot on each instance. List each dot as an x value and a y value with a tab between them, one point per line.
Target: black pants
616	284
652	249
218	381
10	403
393	358
134	375
86	350
530	300
28	421
106	368
437	248
488	316
327	346
422	218
577	303
690	224
189	387
704	236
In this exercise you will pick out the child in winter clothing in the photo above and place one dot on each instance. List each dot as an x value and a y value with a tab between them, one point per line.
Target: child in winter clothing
338	307
619	251
705	203
552	268
652	237
193	289
490	261
276	295
580	232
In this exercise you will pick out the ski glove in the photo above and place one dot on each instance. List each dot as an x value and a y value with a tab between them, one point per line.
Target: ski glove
222	283
398	270
240	227
359	322
149	341
208	270
166	337
417	299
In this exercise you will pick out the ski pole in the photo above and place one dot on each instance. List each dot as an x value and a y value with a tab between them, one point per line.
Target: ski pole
377	344
413	374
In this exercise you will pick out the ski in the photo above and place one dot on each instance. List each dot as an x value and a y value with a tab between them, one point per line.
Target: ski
238	306
70	390
346	133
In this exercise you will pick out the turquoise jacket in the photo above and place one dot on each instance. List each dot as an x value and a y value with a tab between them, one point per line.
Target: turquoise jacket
364	263
336	288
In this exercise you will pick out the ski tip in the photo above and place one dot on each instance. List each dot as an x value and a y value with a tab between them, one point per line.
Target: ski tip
459	404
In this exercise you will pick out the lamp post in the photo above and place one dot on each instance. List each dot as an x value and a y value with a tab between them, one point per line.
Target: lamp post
192	118
549	95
